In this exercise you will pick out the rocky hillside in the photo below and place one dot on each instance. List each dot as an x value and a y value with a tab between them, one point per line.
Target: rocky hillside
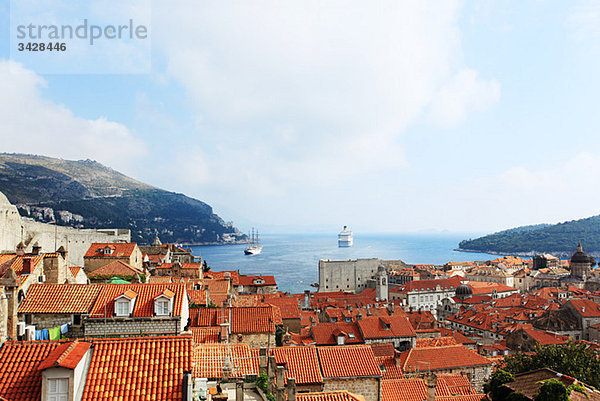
86	194
559	239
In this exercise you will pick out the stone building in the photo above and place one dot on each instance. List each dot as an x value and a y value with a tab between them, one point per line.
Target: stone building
179	270
587	313
351	275
300	363
425	294
15	229
385	329
101	254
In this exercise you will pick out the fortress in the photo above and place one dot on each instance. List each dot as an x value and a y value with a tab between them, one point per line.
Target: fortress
15	229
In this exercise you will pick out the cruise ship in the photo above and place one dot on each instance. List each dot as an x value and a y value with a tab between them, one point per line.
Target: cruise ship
345	238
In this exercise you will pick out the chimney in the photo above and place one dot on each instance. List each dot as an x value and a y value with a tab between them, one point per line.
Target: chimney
291	389
36	248
280	377
262	360
431	383
306	299
207	295
286	339
27	266
21	249
9	281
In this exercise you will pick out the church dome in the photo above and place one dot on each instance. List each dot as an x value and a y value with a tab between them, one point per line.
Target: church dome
580	256
463	291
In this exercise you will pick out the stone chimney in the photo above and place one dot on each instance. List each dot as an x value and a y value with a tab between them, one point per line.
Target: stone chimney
36	248
431	383
207	295
20	249
306	299
286	339
262	361
391	308
291	389
9	281
280	378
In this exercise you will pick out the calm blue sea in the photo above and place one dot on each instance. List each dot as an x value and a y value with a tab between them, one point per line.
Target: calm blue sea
293	258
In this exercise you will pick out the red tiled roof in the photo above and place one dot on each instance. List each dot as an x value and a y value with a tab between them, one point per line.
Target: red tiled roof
459	337
545	338
243	319
586	307
20	376
383	349
301	363
74	270
485	287
328	396
348	361
436	358
144	302
448	387
116	268
435	342
425	285
252	281
389	368
385	327
287	305
138	368
192	266
208	360
235	276
203	335
120	250
60	298
67	355
325	333
159	279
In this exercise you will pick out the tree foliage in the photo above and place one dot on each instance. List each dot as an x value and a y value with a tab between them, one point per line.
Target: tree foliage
552	390
495	387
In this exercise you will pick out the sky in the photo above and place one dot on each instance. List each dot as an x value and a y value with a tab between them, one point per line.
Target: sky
304	116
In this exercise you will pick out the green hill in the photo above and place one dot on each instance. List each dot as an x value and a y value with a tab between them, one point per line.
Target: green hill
86	194
559	239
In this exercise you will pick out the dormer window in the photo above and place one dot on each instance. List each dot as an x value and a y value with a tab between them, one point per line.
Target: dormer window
124	303
108	250
163	303
162	308
259	281
122	308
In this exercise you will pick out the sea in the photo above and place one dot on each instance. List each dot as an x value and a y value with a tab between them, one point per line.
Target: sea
294	258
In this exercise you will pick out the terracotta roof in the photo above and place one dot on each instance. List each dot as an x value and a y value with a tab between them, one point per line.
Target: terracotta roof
546	338
459	337
144	303
208	360
437	358
159	279
243	319
428	285
435	342
328	396
74	270
20	376
203	335
389	367
235	276
257	281
119	250
138	368
301	363
326	333
372	327
60	298
485	287
585	307
67	355
116	268
348	361
448	387
383	349
192	266
287	305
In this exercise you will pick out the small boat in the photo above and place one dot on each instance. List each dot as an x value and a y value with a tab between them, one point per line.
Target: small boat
254	247
345	239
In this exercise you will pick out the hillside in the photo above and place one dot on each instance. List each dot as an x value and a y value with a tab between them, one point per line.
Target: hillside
86	194
559	239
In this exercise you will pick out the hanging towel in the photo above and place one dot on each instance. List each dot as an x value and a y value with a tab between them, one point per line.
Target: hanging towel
38	335
64	328
44	335
54	333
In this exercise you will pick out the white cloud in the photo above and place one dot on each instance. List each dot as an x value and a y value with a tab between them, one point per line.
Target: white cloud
461	94
33	124
310	92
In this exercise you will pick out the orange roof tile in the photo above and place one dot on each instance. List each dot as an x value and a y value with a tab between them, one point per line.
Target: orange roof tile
116	268
144	303
372	327
60	298
159	279
203	335
435	342
243	319
383	349
328	396
192	266
301	363
208	360
389	367
138	368
257	281
120	250
67	355
74	270
585	307
326	333
436	358
348	361
20	376
448	387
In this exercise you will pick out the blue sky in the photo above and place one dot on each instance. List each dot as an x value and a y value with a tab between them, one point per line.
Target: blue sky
305	116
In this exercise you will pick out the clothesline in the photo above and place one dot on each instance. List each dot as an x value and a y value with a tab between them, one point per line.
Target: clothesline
54	333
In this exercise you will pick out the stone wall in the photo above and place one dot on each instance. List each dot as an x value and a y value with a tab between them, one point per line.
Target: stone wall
126	327
350	275
370	388
3	316
256	340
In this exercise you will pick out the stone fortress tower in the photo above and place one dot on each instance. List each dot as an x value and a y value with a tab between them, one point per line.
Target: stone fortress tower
15	229
381	284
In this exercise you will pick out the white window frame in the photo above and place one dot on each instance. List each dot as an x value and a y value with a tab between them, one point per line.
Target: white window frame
58	389
118	305
159	307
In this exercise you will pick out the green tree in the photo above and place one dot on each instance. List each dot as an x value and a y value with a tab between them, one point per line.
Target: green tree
495	387
552	390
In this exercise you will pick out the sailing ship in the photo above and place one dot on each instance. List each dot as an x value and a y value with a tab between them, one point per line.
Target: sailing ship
345	239
254	247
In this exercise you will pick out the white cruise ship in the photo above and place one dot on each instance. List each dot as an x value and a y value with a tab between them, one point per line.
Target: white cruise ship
345	238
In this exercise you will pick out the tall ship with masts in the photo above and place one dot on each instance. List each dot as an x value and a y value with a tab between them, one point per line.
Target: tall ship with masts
254	247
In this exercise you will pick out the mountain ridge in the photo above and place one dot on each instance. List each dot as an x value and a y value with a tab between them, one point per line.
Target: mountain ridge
87	194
